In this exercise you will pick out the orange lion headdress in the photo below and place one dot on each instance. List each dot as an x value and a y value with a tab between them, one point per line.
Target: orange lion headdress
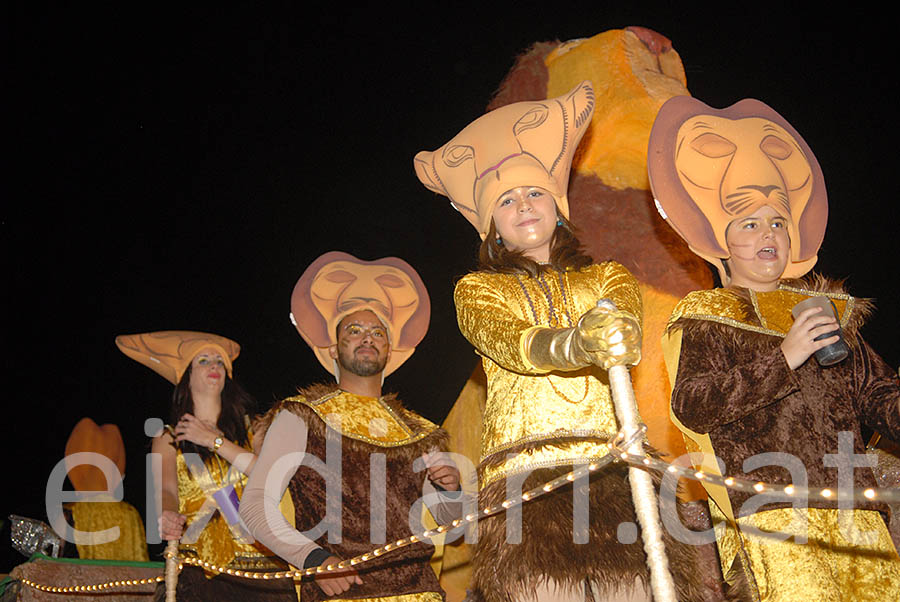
169	352
522	144
709	167
338	284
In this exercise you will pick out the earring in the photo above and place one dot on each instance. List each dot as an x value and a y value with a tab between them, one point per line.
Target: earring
499	241
559	221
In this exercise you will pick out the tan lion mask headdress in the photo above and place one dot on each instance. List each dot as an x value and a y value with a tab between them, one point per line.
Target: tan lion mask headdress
169	352
521	144
709	167
338	284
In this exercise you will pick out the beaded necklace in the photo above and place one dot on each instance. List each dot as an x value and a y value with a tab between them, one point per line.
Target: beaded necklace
552	317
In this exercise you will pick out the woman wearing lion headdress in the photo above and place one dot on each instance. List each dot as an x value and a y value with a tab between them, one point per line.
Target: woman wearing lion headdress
531	313
204	462
742	187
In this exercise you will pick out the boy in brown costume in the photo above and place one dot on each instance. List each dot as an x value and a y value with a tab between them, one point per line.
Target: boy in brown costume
746	192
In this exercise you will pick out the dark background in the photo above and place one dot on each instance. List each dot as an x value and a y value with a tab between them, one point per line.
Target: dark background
178	169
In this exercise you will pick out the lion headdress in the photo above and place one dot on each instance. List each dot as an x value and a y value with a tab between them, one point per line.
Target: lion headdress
709	167
338	284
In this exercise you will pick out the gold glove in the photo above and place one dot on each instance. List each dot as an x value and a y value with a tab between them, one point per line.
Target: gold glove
554	349
610	337
602	337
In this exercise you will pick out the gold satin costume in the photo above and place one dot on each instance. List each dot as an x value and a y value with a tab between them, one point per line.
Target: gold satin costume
366	419
571	411
215	543
828	566
95	516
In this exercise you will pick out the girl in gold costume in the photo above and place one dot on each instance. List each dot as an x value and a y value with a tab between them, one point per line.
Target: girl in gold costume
747	194
531	312
205	458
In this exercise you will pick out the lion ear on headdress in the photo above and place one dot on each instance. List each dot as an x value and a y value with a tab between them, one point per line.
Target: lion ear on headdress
314	329
708	167
423	163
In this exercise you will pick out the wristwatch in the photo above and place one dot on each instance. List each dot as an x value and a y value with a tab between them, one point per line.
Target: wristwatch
217	443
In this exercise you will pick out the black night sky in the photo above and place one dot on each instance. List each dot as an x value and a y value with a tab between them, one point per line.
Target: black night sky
173	168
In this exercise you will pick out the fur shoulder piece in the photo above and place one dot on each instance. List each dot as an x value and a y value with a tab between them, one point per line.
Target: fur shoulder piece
858	308
262	423
714	305
382	422
769	313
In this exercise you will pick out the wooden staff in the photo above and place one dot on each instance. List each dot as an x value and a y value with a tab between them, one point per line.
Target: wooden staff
643	493
171	569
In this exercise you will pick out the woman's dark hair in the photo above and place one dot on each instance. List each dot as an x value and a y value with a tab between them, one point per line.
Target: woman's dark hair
565	253
236	404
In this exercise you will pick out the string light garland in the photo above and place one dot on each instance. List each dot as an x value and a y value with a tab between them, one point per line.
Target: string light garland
617	453
99	587
882	494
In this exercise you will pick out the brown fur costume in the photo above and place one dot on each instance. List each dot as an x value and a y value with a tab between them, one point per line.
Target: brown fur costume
803	412
547	546
405	570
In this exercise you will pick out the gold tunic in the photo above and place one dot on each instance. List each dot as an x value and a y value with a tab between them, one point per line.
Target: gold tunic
215	543
571	412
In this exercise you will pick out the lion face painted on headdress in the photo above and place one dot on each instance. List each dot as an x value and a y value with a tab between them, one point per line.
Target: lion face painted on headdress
343	287
708	167
338	284
740	165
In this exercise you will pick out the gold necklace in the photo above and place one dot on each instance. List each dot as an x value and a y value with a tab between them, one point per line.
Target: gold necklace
545	290
587	386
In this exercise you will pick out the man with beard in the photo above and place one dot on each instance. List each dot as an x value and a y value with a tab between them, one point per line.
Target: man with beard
355	463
